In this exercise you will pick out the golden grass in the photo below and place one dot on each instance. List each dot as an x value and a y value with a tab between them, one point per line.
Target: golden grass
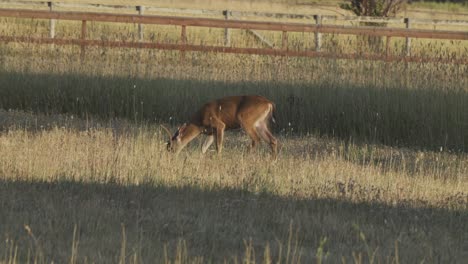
239	38
372	167
265	6
311	94
129	158
78	172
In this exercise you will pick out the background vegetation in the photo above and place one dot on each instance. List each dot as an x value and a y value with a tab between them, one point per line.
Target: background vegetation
372	167
398	104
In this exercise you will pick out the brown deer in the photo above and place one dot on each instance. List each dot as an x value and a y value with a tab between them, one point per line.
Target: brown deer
250	112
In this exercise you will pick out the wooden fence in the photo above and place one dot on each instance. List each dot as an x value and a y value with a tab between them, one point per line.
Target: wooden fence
185	22
223	13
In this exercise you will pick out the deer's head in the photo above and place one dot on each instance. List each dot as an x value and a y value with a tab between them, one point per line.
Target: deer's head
181	137
175	142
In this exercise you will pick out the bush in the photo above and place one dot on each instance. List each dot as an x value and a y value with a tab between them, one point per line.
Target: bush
381	8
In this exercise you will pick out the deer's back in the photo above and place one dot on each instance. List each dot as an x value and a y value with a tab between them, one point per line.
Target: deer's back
227	110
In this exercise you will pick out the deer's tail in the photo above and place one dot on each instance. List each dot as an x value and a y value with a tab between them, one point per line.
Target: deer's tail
272	113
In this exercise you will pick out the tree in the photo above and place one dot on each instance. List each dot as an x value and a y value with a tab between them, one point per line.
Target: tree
380	8
376	8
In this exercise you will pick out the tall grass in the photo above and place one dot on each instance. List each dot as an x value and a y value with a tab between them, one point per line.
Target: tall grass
422	105
372	167
128	198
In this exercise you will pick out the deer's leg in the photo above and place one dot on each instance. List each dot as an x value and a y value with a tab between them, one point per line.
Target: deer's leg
220	126
253	135
247	125
208	141
268	137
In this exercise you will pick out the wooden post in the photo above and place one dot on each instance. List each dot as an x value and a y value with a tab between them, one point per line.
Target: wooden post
83	38
227	31
183	40
141	11
408	40
387	48
183	35
51	22
318	36
285	41
284	46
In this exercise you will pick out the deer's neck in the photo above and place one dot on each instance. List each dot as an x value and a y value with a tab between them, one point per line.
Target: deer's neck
190	132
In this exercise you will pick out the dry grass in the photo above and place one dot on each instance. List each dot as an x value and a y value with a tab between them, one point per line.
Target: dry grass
239	38
398	104
373	164
100	178
273	6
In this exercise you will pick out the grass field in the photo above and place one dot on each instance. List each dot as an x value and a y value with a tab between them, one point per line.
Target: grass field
397	104
125	195
373	164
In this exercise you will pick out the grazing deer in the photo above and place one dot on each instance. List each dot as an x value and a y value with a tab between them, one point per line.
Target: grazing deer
251	113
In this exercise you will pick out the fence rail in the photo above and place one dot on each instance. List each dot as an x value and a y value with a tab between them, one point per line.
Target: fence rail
221	13
236	24
185	22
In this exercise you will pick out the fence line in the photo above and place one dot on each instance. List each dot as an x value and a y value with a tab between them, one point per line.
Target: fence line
221	13
249	51
185	22
237	24
227	14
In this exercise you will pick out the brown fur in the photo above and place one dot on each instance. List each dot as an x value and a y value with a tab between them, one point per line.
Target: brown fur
250	112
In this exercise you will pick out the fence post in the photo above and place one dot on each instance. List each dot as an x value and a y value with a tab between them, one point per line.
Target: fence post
227	31
83	37
52	21
285	41
408	40
387	48
318	36
183	40
141	11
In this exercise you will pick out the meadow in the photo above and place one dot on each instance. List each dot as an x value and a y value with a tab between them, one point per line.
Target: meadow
373	164
107	191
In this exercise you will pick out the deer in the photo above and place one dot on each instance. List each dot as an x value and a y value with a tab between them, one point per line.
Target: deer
252	113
